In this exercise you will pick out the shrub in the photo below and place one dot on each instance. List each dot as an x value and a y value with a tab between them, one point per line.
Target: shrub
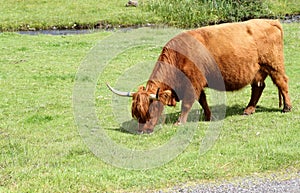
195	13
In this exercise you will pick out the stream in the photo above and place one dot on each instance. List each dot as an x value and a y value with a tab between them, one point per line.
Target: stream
286	19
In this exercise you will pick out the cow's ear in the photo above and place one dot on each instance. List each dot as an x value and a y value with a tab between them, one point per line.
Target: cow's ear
141	88
167	98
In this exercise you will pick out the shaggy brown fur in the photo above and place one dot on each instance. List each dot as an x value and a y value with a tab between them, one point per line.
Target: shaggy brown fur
225	57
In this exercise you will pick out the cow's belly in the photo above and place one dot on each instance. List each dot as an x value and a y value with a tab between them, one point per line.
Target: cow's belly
238	66
235	79
236	83
237	73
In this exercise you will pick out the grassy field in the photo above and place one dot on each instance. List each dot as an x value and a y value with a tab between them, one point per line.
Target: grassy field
31	15
42	151
34	15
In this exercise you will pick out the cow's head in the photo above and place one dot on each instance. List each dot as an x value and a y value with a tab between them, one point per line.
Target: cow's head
147	107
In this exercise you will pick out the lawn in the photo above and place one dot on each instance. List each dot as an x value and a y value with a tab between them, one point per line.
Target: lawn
33	15
71	14
44	149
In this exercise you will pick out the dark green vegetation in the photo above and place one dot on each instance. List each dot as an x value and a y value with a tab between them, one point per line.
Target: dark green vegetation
34	15
204	12
41	149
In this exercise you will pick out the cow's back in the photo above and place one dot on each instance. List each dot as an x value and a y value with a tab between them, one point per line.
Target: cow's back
240	48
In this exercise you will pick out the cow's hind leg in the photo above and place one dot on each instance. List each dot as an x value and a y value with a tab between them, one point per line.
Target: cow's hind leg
280	80
257	88
203	103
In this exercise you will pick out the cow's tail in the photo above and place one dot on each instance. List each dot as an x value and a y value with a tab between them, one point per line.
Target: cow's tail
280	98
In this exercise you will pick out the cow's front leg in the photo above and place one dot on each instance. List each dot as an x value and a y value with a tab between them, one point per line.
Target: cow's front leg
186	106
204	105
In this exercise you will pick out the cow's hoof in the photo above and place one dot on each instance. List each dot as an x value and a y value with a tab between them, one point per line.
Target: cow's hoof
287	109
249	111
207	118
178	123
245	114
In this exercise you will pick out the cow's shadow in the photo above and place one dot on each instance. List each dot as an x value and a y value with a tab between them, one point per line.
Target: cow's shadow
219	112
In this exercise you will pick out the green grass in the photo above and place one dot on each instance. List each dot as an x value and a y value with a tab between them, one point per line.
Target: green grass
283	7
35	15
42	151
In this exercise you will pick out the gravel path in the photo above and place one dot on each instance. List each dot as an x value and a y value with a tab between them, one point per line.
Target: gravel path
271	184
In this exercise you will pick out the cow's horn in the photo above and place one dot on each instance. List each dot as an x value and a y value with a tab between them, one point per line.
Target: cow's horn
154	96
120	93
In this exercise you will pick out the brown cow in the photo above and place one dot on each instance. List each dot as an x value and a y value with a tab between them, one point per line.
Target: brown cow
223	57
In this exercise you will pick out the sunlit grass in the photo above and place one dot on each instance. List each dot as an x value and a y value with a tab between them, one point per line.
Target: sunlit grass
55	14
41	149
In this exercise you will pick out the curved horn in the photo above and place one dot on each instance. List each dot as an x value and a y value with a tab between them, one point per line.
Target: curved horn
154	96
120	93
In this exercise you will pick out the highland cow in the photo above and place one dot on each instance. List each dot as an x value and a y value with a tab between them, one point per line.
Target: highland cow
225	57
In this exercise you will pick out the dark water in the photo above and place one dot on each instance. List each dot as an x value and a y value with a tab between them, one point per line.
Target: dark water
59	32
